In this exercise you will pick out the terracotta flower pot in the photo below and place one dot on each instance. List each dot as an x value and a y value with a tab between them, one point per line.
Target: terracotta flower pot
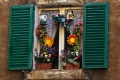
37	31
56	23
71	66
81	30
43	66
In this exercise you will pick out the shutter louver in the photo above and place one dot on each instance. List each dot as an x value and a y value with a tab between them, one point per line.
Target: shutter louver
95	36
20	37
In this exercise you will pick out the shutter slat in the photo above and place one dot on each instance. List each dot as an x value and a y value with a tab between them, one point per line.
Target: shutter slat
23	15
94	53
18	61
20	28
19	45
96	19
95	35
20	11
12	56
95	16
18	53
20	37
19	19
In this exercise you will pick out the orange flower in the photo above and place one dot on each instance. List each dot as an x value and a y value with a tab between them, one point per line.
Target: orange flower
71	39
48	41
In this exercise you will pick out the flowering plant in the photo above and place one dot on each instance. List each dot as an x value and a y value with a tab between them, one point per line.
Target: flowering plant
41	33
73	55
61	19
78	29
46	55
55	17
48	41
70	56
71	39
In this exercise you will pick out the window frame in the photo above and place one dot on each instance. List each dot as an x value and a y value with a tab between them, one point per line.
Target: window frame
61	31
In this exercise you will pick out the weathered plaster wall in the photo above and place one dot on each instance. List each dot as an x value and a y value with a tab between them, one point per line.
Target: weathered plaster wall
113	71
4	18
57	74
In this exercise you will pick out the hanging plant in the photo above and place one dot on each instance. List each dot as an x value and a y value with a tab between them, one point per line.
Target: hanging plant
41	33
37	31
62	20
78	29
48	41
55	18
59	19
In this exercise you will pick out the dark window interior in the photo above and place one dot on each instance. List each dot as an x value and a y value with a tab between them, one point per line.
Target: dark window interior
66	45
56	45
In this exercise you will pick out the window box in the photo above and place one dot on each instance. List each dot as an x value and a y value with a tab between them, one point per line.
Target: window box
43	66
71	66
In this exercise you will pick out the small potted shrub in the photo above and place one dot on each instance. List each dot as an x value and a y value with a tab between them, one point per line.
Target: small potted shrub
45	58
71	59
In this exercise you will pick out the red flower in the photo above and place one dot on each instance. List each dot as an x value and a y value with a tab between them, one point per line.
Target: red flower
54	54
76	34
78	57
63	58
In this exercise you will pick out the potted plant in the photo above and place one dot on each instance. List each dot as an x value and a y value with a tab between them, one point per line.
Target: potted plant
55	18
45	58
72	57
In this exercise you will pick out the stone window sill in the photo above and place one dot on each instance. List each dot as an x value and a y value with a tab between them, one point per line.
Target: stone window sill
56	74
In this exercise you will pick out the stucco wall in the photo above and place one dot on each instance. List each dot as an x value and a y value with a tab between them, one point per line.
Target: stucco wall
4	18
113	71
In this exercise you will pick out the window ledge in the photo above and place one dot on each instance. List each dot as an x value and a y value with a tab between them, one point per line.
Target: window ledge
56	74
51	3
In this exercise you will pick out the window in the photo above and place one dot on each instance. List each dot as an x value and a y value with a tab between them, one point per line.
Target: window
57	32
95	36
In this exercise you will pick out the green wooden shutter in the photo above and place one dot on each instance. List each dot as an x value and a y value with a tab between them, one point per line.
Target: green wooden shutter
20	37
95	36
